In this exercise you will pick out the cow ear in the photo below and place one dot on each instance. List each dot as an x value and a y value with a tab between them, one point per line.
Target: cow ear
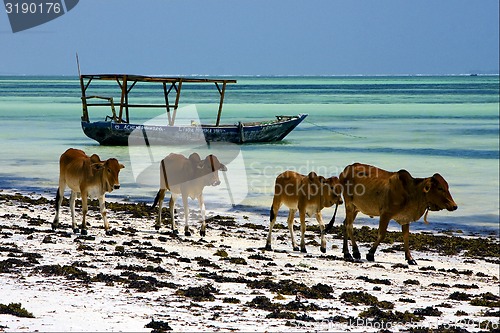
97	166
437	178
222	167
122	166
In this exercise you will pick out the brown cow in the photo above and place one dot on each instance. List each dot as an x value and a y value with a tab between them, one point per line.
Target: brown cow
89	177
307	194
186	177
390	195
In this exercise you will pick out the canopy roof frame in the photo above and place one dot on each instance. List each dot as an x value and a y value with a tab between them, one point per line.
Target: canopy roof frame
123	82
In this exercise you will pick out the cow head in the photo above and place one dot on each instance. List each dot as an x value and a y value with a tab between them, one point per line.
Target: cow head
437	194
210	167
330	189
109	171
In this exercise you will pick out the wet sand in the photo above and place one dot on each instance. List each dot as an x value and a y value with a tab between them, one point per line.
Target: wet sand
141	280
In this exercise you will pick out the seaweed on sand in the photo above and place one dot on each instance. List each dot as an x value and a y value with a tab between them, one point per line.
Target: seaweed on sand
200	294
289	287
380	316
361	297
15	309
447	245
158	326
486	299
70	272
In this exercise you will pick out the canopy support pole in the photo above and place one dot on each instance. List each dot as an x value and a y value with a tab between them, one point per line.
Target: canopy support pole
177	97
221	92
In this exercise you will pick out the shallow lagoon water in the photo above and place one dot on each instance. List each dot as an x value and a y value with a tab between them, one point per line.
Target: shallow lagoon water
446	124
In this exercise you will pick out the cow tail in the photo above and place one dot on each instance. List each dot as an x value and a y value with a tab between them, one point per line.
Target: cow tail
332	221
58	196
157	198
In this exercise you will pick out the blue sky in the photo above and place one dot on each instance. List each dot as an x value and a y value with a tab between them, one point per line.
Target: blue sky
260	37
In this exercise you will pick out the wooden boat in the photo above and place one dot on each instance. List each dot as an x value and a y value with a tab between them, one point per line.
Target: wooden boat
117	129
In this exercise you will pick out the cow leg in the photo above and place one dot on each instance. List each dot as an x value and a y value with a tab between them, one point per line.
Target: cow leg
354	245
202	209
85	209
319	218
186	214
272	220
171	208
302	215
59	198
406	237
159	198
291	215
102	208
382	230
72	200
351	213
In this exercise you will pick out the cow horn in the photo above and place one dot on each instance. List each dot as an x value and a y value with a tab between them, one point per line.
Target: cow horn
312	175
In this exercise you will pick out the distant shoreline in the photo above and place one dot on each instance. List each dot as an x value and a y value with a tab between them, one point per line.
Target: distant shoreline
260	76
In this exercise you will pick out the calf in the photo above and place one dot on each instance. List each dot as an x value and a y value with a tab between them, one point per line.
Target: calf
186	177
88	177
390	195
307	194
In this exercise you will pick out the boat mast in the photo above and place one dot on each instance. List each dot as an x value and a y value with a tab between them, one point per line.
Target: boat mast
85	116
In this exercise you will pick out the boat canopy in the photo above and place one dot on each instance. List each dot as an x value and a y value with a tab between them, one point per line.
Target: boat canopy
126	82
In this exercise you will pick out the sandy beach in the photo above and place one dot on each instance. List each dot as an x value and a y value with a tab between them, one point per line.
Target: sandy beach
142	280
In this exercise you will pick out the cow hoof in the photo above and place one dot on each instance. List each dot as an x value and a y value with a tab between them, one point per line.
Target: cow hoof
303	250
54	226
348	257
109	233
203	233
157	227
268	247
187	233
296	248
175	232
322	249
412	262
84	232
356	255
76	230
370	257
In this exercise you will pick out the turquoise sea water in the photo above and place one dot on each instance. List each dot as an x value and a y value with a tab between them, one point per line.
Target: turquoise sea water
425	124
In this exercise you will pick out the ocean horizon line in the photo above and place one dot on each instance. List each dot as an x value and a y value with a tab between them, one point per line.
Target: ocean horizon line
266	75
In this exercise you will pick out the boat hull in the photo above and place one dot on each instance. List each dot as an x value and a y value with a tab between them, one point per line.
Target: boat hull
121	134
